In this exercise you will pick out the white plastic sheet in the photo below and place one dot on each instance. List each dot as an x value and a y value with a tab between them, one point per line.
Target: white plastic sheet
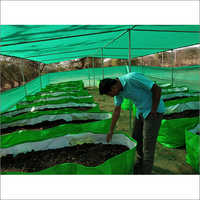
63	105
66	117
183	107
67	140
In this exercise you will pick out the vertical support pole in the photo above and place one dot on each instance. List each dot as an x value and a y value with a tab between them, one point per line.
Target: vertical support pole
23	78
142	66
129	55
162	60
102	64
130	106
47	74
175	58
172	68
93	69
48	78
89	71
40	76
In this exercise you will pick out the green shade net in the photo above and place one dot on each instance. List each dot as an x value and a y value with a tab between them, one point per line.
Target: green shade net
55	43
192	139
187	76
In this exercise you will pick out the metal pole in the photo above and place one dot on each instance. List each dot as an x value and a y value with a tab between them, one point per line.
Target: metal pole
115	39
40	77
89	73
142	66
47	75
102	64
129	55
93	69
130	106
175	58
23	78
172	70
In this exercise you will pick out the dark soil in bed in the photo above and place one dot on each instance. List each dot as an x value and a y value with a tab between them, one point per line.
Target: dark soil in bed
46	109
43	125
184	114
90	155
174	98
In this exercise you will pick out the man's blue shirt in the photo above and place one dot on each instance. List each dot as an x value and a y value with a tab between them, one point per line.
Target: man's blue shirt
137	88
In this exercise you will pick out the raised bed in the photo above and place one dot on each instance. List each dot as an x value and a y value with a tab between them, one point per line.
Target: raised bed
49	121
34	114
23	136
70	154
52	99
176	118
41	95
78	84
56	107
52	90
126	104
180	95
192	138
165	85
174	90
61	101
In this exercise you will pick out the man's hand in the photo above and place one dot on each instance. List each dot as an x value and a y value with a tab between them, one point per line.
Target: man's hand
115	117
109	137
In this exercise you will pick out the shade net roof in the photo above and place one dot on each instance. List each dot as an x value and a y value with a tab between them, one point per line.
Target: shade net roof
56	43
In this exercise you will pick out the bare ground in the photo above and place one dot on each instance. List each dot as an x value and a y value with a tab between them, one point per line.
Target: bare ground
167	161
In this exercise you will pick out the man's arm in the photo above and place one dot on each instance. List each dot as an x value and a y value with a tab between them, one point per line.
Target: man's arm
115	118
156	94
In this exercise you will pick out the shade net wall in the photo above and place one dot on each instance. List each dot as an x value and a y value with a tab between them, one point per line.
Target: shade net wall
183	76
179	76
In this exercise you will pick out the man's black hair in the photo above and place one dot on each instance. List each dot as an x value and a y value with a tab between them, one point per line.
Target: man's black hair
105	85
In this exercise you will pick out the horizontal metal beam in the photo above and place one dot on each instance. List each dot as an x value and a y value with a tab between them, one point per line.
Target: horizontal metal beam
171	31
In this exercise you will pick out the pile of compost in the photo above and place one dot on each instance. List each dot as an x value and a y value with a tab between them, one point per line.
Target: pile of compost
184	114
87	154
43	125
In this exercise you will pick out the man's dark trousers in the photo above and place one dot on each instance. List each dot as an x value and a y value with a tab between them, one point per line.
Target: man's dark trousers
145	132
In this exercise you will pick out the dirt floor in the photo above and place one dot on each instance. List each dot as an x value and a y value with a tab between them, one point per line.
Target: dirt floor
167	161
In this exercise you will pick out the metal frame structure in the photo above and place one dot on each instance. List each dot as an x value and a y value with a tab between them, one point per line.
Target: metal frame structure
172	67
23	78
102	48
40	76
